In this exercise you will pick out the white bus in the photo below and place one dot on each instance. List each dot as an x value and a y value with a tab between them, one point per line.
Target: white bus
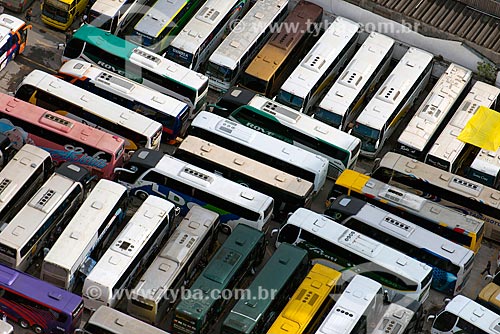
170	112
448	189
141	65
451	224
353	253
136	244
400	317
391	102
20	178
114	15
240	46
265	149
463	315
307	82
37	223
82	242
356	309
451	263
154	173
54	94
106	320
175	266
289	192
342	102
448	153
485	168
203	33
282	122
426	124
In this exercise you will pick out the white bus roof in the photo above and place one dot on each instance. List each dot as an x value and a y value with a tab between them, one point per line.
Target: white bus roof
410	233
442	179
11	22
395	88
320	57
107	109
304	123
360	244
357	73
202	24
421	206
447	147
436	106
253	24
474	313
158	16
261	142
129	242
27	221
203	179
115	321
19	168
351	306
82	228
245	165
160	65
122	86
182	243
108	7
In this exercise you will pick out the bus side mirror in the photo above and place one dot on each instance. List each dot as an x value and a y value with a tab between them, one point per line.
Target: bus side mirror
488	278
446	300
274	231
376	163
431	317
177	211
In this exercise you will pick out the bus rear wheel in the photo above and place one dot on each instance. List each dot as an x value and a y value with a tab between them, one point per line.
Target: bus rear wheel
23	323
38	329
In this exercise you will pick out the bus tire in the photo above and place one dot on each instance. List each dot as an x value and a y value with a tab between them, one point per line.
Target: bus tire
23	323
226	229
142	195
37	329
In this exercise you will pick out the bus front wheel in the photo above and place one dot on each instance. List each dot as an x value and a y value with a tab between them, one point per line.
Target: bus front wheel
226	229
141	195
38	329
23	323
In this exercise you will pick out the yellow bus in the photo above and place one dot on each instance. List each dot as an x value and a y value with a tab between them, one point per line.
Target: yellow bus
277	59
451	224
61	14
303	313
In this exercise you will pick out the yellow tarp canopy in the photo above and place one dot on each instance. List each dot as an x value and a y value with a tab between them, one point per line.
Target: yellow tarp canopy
483	129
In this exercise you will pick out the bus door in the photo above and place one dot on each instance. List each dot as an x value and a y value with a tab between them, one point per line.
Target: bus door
22	35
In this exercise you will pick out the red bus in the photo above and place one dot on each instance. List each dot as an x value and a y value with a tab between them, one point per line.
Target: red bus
64	138
13	37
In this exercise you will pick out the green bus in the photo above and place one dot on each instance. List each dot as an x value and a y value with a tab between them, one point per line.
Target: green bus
139	64
207	298
279	278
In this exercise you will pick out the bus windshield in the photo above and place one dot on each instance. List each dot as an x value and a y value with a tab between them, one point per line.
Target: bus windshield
253	83
289	99
369	135
56	10
100	20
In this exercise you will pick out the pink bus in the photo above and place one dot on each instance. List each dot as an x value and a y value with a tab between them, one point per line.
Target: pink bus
64	138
